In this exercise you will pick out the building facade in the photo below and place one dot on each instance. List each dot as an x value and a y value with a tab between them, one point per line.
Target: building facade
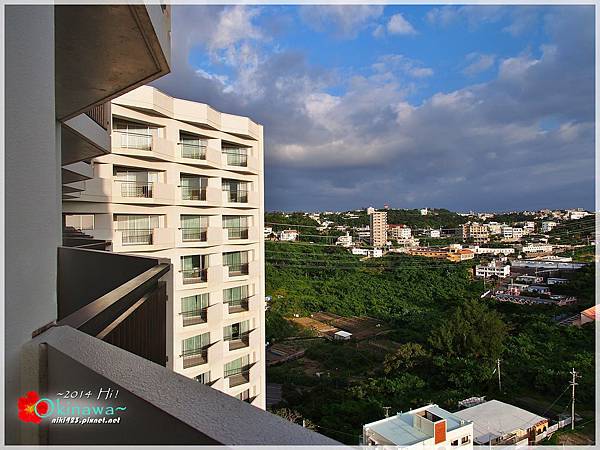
426	427
399	232
378	228
185	183
494	268
476	232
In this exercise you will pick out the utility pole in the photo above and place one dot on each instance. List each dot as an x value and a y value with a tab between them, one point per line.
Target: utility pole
499	380
573	383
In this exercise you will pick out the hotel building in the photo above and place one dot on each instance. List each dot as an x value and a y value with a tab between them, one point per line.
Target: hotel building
378	228
184	183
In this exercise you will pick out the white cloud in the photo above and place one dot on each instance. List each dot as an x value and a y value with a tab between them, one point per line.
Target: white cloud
344	21
478	63
399	25
234	25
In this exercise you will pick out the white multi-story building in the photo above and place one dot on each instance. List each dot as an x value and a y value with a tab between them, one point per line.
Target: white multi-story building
378	227
398	232
426	427
494	268
548	225
184	182
288	235
344	241
512	233
494	228
368	252
537	248
576	214
424	211
434	233
492	250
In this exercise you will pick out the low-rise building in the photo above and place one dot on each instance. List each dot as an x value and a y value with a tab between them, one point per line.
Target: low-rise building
550	281
288	235
494	228
512	233
399	232
493	269
576	214
458	255
424	427
424	211
476	232
434	233
344	241
492	250
368	252
548	225
498	423
537	248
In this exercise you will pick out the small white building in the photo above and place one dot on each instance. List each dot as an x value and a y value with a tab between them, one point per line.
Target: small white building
424	211
494	268
434	233
427	427
576	214
548	225
492	250
344	241
537	248
398	232
512	233
268	231
342	336
368	252
288	235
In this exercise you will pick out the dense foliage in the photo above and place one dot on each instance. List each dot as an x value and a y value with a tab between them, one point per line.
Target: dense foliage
446	340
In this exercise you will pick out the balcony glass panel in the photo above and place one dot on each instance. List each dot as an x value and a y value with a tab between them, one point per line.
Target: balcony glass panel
194	350
192	146
194	228
238	371
236	156
193	187
236	226
193	309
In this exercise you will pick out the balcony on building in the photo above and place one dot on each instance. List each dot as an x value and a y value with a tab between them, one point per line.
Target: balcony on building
194	309
192	147
235	191
237	335
194	228
194	269
193	187
194	350
237	372
236	264
236	227
236	299
145	140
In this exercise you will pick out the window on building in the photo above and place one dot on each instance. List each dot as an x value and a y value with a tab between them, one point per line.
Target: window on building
194	228
236	226
236	156
194	350
236	298
203	378
193	309
193	187
236	190
136	229
194	268
192	146
236	262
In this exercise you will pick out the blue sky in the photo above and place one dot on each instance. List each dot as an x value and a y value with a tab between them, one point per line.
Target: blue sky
463	107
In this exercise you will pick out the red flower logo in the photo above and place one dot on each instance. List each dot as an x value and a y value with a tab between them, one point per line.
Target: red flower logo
27	407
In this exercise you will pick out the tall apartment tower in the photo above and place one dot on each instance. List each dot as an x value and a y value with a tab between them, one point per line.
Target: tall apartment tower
378	225
184	182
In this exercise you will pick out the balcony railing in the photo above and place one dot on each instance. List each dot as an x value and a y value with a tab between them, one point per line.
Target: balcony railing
237	305
195	357
138	189
238	376
236	270
194	316
101	115
194	234
132	140
237	232
193	151
240	341
136	237
195	276
236	159
237	196
193	193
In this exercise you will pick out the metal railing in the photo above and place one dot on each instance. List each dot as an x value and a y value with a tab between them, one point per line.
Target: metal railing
236	270
237	232
101	115
193	151
132	140
239	341
193	193
237	196
136	237
236	159
138	189
194	316
238	305
194	234
195	357
238	376
195	276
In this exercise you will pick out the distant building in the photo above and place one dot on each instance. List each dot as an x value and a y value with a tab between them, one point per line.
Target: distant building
344	241
547	264
494	228
378	227
492	250
478	233
434	233
426	427
342	336
512	233
268	231
458	255
553	281
288	235
368	252
424	211
398	231
548	225
537	248
587	316
494	268
370	210
576	214
498	423
529	279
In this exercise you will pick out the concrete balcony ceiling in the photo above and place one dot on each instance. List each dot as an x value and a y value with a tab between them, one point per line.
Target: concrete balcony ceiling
103	51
